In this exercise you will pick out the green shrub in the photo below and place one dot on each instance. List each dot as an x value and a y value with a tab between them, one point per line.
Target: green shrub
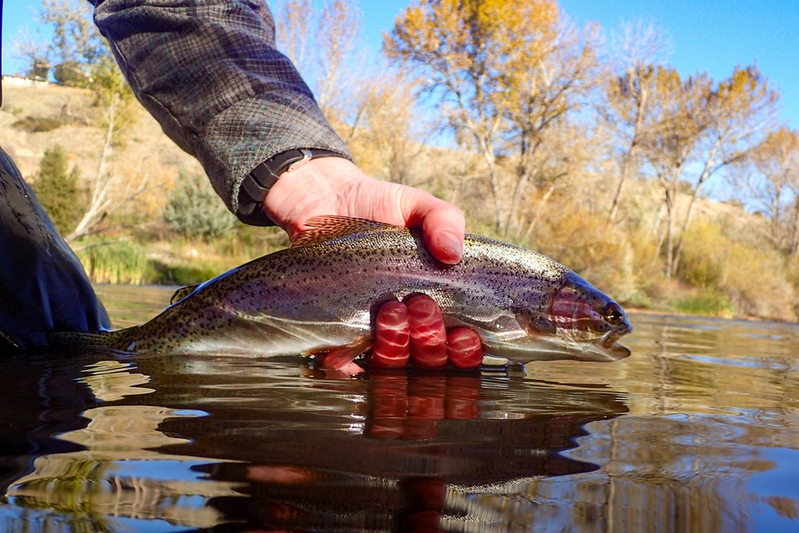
706	302
70	74
58	190
194	209
183	274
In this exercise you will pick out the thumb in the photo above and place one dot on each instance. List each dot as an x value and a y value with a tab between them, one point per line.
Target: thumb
442	226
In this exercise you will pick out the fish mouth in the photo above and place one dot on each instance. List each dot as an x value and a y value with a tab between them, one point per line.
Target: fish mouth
615	351
610	338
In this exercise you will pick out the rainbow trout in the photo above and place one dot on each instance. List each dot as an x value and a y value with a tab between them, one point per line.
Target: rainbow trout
322	294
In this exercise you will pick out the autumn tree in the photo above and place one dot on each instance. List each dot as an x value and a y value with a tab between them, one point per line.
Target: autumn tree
30	49
703	126
118	110
503	73
76	44
768	181
738	112
389	132
669	147
326	47
374	114
638	49
80	57
293	26
547	94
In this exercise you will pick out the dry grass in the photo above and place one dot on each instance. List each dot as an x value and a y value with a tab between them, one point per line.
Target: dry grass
147	151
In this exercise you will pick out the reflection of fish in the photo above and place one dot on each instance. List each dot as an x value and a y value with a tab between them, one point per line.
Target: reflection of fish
322	294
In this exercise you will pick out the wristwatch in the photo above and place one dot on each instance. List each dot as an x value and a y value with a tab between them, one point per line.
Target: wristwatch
255	187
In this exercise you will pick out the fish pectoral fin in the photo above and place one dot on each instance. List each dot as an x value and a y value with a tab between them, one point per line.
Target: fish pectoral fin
336	357
327	227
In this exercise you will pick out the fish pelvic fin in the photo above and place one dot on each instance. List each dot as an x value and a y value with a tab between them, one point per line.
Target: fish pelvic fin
326	227
338	357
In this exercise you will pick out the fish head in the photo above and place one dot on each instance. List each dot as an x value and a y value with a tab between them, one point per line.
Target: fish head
585	322
582	314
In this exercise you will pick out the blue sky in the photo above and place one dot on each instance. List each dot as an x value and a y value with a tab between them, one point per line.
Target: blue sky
711	35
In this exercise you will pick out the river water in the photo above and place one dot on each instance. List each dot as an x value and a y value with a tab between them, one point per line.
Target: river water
697	431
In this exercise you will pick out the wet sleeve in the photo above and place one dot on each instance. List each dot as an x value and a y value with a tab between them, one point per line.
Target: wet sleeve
209	72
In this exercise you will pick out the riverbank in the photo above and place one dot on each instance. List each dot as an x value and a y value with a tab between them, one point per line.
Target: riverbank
150	258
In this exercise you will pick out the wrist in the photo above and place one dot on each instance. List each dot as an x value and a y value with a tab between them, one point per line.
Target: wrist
255	187
316	187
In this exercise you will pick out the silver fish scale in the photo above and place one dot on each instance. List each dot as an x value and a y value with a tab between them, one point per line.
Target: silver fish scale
343	281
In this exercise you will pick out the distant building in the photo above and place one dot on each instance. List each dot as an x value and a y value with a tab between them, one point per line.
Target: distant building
20	81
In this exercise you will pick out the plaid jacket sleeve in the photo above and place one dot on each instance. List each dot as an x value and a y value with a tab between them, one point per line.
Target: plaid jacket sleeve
210	74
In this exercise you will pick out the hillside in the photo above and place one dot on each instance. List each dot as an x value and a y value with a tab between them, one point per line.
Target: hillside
146	150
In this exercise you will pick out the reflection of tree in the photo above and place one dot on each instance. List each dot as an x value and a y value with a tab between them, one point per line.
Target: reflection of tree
88	476
80	477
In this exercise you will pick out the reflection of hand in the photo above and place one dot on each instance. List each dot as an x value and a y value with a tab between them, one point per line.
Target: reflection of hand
335	186
408	407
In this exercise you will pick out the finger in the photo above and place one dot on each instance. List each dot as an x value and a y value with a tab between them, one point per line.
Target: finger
464	348
392	336
428	336
442	224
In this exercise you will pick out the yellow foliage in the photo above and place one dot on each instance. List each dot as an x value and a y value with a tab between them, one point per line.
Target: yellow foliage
705	254
582	241
496	40
753	277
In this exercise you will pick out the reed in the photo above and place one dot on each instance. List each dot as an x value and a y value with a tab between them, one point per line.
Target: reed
706	302
116	262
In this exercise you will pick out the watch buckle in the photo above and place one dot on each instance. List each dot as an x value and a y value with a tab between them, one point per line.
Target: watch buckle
306	156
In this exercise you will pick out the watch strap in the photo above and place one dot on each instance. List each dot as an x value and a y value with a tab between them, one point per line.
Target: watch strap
256	185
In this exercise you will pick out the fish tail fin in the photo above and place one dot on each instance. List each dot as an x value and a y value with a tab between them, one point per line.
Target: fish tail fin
112	340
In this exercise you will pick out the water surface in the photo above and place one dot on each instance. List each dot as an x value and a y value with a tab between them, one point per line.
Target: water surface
698	431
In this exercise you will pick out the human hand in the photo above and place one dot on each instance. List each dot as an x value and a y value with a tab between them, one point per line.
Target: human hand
414	331
335	186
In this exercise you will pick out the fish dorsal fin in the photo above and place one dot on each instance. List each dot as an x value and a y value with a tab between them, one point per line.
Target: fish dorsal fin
327	227
182	293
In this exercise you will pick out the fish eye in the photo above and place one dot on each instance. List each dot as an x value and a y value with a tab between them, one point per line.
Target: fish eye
614	314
